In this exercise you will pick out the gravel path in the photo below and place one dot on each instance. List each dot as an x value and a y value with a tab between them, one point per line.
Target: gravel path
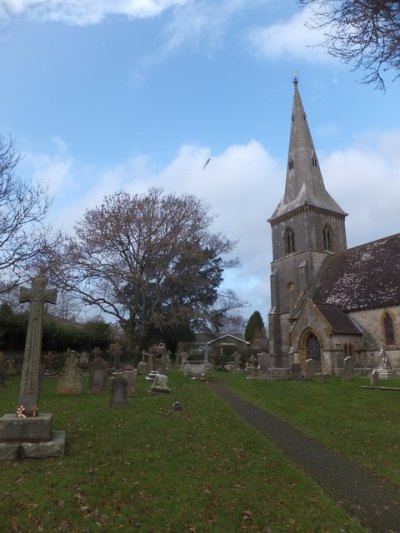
374	501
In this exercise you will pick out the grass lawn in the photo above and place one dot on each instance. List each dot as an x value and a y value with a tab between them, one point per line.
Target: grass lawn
363	424
145	468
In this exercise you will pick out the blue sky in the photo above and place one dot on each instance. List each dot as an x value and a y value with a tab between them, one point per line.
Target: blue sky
102	95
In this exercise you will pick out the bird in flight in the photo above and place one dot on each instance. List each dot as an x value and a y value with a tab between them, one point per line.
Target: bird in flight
206	163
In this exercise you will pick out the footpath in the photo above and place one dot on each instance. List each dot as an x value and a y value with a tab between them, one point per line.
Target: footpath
373	500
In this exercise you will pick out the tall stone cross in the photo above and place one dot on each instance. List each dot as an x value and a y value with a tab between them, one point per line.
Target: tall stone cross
37	296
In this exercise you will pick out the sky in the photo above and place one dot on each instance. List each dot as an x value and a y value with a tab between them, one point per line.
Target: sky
109	95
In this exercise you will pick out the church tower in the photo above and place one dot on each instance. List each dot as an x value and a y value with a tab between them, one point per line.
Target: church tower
307	226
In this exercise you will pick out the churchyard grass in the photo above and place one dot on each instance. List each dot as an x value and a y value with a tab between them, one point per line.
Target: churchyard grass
146	468
363	424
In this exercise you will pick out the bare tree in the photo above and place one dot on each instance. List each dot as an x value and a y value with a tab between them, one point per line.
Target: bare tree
23	207
363	32
150	261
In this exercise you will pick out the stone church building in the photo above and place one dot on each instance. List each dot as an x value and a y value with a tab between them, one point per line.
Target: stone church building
327	301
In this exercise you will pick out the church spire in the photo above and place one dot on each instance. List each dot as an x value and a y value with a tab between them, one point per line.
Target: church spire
304	182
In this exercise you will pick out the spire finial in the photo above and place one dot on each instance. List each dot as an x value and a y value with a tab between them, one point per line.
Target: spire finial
295	77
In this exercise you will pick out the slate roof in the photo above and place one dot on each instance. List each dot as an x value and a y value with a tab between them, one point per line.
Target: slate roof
340	323
364	277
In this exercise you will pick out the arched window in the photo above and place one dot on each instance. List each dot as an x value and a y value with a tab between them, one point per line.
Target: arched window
388	329
313	348
289	241
328	237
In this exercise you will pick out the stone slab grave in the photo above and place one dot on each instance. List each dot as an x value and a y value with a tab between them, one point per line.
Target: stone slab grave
130	375
98	376
28	433
311	368
160	385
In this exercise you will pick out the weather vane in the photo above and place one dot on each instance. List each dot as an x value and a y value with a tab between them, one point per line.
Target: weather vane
296	77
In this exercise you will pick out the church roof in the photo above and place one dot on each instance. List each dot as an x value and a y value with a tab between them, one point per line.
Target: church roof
363	277
340	323
304	183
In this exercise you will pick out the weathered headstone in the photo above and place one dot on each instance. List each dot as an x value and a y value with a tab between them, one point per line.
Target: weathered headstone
28	432
84	360
130	376
160	385
374	378
115	354
236	358
37	296
252	367
311	368
295	371
348	369
263	363
98	378
385	368
150	362
142	367
119	392
69	381
10	367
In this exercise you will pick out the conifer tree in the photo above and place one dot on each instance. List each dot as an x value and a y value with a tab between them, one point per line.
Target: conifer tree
255	327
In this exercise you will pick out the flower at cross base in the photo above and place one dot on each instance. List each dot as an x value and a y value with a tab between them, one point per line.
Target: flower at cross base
21	411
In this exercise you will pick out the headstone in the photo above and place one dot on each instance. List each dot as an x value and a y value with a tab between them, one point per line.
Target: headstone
37	296
311	368
28	432
98	376
119	392
69	381
348	369
252	367
160	385
385	368
150	362
115	354
263	363
374	378
142	367
10	367
130	376
84	360
295	372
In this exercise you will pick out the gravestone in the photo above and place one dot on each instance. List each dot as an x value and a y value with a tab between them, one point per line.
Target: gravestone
69	381
311	368
28	433
150	362
84	360
160	385
385	368
130	376
142	367
98	378
348	368
252	367
374	378
119	392
236	358
115	354
295	372
263	363
10	367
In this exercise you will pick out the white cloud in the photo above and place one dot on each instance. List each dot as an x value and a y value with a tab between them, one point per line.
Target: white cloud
242	185
289	40
85	12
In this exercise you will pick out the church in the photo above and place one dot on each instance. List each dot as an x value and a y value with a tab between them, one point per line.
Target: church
327	301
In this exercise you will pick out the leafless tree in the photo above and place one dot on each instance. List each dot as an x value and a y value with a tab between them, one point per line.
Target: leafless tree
23	207
148	260
363	32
